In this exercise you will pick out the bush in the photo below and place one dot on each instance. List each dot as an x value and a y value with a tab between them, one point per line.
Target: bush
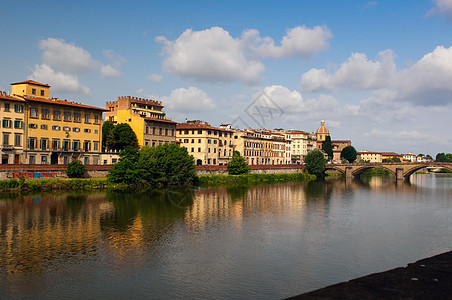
238	165
75	169
349	154
315	163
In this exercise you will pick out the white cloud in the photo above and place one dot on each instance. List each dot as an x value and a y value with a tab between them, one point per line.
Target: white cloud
67	58
192	99
358	72
213	54
155	77
391	134
442	7
109	71
59	81
299	41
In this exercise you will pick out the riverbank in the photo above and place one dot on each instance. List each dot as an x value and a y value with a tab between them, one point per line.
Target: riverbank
64	184
429	278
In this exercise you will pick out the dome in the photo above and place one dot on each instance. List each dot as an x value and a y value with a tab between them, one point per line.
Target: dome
322	129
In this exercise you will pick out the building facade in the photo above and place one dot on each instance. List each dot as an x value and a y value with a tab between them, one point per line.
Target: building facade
302	143
57	131
12	115
145	117
369	156
209	145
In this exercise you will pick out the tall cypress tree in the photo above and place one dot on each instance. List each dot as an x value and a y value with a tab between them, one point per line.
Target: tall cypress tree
327	147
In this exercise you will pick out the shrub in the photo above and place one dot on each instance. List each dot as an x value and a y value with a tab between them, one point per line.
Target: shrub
238	165
75	169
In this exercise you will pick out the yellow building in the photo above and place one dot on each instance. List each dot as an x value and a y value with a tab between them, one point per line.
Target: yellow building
145	117
209	145
368	156
302	143
58	131
12	117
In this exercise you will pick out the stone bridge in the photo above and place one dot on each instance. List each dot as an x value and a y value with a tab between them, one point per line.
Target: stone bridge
402	171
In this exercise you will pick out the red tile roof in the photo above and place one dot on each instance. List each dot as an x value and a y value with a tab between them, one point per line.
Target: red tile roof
5	96
196	126
159	120
61	102
31	82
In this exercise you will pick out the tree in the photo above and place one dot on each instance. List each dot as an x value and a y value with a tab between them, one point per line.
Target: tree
238	165
124	137
327	147
315	163
75	169
107	135
349	153
164	165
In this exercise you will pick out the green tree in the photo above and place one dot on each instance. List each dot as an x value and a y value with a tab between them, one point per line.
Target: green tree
124	137
164	165
349	153
107	135
441	157
75	169
449	157
327	147
315	163
238	165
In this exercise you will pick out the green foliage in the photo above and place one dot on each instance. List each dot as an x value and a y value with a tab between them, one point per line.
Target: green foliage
123	136
315	163
75	169
107	135
51	184
442	157
349	153
212	180
238	165
391	159
327	147
9	184
164	165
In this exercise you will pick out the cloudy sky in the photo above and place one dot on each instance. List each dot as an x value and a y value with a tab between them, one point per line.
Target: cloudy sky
378	72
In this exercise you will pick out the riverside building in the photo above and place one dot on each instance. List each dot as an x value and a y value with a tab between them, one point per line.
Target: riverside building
145	117
209	145
55	131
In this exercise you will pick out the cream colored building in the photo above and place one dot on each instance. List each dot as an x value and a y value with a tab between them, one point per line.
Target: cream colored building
209	145
369	156
302	143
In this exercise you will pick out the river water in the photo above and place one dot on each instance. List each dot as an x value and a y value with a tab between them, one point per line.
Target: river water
261	242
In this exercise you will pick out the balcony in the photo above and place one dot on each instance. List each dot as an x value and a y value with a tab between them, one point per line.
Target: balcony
7	147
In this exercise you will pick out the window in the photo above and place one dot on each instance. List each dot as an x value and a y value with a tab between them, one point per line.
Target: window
199	140
66	145
18	108
18	124
86	130
192	140
160	131
147	130
6	123
56	115
32	144
76	129
45	114
33	91
87	120
76	145
66	128
33	112
199	149
6	106
172	132
96	119
56	128
44	126
67	116
199	131
87	146
209	132
192	149
42	93
55	144
33	126
166	131
5	139
96	146
44	144
185	140
17	140
31	159
96	131
77	117
43	158
186	132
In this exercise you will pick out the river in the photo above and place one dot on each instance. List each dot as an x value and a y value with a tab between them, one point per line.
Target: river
261	242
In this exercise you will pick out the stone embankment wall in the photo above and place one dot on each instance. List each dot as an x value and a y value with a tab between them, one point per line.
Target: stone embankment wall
96	171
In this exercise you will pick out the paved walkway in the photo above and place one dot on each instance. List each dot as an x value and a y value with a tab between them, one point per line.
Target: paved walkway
429	278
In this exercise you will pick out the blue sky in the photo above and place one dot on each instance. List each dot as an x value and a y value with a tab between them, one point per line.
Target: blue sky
378	72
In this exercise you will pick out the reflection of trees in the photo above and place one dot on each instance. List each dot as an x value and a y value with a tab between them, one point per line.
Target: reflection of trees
237	192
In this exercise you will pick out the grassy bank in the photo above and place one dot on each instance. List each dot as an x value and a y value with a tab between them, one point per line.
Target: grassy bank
214	180
65	184
33	185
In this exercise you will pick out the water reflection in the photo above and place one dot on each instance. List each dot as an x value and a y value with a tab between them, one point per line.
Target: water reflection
268	241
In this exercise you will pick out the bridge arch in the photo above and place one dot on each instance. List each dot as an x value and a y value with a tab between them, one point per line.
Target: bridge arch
357	172
334	168
411	171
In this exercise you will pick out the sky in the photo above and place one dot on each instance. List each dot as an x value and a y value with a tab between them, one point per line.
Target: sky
378	72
